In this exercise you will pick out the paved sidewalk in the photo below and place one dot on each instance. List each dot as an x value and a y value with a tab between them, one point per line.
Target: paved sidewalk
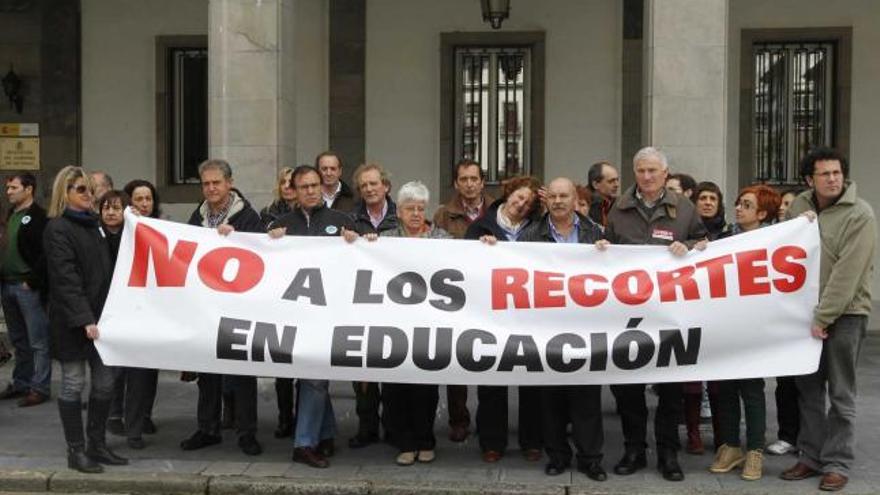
32	456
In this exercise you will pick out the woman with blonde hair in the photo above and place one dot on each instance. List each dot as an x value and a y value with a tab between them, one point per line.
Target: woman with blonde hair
284	203
285	198
79	276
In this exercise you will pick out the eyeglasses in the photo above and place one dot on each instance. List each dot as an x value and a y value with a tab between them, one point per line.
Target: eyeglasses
829	174
80	189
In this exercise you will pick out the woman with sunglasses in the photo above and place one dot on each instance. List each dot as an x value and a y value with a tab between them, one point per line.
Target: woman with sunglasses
79	276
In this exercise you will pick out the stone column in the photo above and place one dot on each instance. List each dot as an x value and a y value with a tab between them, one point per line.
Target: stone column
252	108
685	88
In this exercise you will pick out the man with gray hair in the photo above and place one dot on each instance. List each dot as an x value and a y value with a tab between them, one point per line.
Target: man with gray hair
226	210
648	213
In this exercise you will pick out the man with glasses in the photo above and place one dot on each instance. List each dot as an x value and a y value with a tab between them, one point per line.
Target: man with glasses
849	236
315	424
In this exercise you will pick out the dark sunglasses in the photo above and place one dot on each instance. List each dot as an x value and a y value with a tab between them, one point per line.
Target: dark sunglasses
80	189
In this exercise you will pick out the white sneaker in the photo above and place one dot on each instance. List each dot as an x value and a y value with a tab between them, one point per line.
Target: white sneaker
705	411
780	447
705	408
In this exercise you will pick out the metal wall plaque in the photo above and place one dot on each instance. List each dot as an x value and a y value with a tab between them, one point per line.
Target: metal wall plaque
19	146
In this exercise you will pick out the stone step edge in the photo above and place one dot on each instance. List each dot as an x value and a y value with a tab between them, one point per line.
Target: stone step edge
198	484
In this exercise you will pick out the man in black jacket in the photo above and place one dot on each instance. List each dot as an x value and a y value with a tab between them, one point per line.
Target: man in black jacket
23	292
580	405
315	424
226	210
374	213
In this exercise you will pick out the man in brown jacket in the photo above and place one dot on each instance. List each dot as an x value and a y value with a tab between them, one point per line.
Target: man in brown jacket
468	204
648	213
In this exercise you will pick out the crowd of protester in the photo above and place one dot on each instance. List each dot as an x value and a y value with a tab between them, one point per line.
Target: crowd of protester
57	267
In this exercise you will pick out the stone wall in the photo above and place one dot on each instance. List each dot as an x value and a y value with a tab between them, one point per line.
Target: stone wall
41	43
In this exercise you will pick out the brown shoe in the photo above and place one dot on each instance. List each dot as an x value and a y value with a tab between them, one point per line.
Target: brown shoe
32	399
310	457
458	434
491	456
799	471
832	482
533	455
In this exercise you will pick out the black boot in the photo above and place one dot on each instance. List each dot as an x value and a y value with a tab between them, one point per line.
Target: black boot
99	409
667	464
71	422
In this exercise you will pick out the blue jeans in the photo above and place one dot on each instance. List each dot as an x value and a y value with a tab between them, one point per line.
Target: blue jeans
73	380
28	328
314	416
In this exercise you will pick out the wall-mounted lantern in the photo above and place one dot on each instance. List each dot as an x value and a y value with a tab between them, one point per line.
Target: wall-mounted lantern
495	11
12	90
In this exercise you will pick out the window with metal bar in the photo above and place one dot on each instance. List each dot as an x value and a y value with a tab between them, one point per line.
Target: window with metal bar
492	109
792	106
188	112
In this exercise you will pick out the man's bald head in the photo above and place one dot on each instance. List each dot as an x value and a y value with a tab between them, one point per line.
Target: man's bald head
560	182
561	198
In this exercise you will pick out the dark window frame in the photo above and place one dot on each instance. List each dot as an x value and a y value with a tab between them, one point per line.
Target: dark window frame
841	96
171	192
535	40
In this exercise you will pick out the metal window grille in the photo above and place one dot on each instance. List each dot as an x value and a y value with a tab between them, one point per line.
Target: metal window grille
188	80
793	106
492	109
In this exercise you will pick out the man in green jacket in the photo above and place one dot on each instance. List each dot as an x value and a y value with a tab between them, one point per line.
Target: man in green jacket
849	236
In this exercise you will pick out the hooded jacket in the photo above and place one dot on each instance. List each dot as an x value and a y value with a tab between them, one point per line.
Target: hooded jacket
674	219
848	234
321	221
241	215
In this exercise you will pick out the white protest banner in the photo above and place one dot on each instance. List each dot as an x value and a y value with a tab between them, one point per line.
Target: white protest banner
444	311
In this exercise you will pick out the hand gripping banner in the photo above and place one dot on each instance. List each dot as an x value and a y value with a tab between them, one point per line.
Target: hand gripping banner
449	311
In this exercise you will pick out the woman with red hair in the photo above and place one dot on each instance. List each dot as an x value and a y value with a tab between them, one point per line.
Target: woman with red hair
756	206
